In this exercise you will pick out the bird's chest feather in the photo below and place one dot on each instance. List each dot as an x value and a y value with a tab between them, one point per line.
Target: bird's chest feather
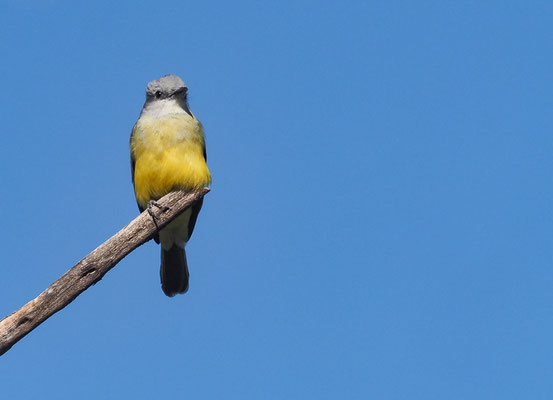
168	154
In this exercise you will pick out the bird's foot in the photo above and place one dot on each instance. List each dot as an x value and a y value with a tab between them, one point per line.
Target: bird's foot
151	205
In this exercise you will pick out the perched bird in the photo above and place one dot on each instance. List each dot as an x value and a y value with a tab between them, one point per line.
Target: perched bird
167	153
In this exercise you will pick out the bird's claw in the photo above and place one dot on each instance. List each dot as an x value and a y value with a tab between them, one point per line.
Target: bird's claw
151	205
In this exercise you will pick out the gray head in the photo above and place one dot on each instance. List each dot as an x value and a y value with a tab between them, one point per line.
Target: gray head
166	87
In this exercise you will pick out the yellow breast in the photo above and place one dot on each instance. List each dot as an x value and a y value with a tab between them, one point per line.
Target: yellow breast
169	154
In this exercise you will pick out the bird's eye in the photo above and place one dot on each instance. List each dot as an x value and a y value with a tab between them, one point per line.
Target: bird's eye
158	94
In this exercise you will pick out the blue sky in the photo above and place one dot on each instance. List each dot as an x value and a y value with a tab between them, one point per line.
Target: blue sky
380	219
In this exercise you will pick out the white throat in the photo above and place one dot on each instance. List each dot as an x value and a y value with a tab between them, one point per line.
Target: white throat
162	108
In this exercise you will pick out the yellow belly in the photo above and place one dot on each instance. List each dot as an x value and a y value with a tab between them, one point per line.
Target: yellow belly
168	155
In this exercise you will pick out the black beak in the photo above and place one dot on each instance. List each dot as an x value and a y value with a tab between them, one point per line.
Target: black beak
185	107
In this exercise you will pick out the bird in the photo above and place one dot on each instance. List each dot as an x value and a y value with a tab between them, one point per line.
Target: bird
168	152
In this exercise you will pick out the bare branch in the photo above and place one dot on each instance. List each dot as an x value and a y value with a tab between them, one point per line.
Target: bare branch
93	267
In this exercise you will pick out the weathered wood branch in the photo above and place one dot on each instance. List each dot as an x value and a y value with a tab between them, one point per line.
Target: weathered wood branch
93	267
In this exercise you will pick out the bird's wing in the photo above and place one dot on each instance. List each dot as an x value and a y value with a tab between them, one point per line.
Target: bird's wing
196	207
133	163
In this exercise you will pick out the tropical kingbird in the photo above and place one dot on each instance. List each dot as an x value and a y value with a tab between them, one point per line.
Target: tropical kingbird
167	153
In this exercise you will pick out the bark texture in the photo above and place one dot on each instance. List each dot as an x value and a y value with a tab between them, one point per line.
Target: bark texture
93	267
